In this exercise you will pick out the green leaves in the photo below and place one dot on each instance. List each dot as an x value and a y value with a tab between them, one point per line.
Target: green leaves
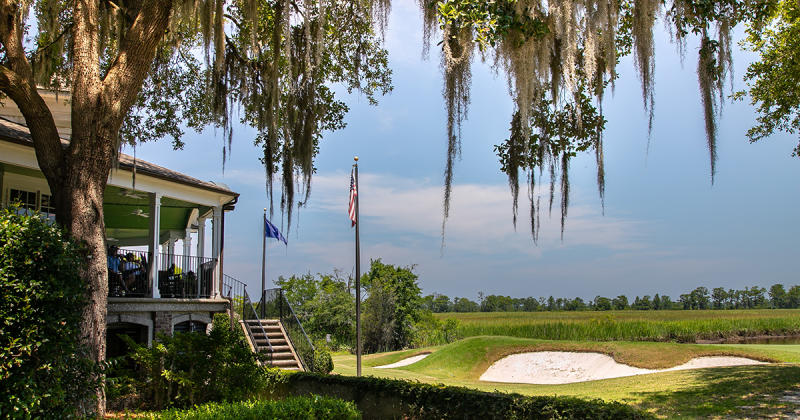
313	406
774	81
392	308
44	371
414	400
193	368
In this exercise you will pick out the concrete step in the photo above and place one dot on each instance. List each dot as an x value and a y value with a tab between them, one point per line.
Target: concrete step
280	355
278	346
279	340
275	349
266	330
272	335
285	363
265	327
263	322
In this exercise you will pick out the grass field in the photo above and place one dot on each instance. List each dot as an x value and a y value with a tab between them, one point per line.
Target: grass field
750	391
679	326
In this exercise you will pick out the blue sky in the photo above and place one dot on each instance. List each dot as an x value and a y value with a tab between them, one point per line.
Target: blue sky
666	229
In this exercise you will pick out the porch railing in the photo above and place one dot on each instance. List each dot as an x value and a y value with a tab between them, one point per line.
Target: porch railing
130	278
179	276
275	305
183	276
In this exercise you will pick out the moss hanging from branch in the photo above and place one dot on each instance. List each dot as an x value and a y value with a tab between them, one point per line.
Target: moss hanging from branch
456	61
558	56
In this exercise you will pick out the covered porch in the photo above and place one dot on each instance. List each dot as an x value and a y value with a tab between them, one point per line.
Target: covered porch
167	227
159	245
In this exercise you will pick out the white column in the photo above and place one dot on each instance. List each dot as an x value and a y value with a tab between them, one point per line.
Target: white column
187	249
216	247
201	237
152	246
187	242
171	244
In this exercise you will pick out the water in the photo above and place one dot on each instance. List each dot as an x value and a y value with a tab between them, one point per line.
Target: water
764	340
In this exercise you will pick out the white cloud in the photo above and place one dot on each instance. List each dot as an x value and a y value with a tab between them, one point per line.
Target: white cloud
480	216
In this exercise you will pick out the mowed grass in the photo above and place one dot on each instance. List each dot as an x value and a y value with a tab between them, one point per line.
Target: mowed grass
630	325
747	391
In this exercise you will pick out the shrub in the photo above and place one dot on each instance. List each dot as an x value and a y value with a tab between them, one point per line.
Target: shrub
431	331
323	362
44	369
312	407
389	398
193	368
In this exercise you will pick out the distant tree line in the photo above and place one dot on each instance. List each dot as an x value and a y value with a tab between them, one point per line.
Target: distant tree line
755	297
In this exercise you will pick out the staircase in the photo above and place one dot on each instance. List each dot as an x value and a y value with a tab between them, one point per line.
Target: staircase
266	333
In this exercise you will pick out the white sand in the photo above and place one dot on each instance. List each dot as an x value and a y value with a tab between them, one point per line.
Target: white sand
405	362
558	367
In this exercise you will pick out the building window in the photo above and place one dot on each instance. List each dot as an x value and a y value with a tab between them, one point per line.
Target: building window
26	200
190	326
30	202
48	208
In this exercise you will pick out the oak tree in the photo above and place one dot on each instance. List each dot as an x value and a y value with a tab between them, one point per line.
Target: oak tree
138	69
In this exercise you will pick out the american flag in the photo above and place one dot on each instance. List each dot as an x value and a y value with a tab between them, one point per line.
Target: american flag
353	194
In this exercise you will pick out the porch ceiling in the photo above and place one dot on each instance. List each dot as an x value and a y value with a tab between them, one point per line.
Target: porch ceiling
128	211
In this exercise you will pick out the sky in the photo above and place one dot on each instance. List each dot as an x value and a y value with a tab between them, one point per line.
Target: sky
665	229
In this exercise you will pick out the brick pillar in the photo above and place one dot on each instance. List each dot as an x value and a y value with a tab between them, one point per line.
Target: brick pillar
163	323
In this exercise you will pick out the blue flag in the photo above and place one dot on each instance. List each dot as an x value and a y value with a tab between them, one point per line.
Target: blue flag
272	232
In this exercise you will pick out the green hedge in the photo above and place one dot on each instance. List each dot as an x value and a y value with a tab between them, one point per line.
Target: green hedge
312	407
45	371
387	398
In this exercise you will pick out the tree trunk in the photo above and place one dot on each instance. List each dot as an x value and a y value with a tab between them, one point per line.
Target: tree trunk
77	174
79	207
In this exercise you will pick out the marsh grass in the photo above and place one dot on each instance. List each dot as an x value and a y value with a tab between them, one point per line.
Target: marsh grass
677	326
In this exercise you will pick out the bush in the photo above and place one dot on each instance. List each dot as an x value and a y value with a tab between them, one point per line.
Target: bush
323	362
313	407
431	331
193	368
44	369
389	398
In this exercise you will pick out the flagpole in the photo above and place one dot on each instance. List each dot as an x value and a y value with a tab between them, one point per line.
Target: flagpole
358	276
263	260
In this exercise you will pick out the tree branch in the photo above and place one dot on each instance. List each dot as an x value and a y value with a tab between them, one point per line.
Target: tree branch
16	81
86	70
125	77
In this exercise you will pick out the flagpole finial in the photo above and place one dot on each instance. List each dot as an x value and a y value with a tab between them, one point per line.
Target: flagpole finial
355	158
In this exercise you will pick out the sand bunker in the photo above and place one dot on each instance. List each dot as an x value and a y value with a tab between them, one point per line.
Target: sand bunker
558	367
404	362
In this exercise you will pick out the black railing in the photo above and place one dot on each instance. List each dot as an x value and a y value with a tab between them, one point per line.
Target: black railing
242	307
179	276
236	291
127	274
275	305
183	276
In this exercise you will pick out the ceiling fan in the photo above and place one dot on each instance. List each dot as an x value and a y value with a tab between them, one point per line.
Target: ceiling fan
140	213
132	194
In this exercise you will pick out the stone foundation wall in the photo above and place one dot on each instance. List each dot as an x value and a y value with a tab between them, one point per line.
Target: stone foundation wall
163	323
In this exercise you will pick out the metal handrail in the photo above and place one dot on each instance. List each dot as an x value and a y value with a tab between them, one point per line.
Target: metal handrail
288	319
232	284
289	305
260	325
